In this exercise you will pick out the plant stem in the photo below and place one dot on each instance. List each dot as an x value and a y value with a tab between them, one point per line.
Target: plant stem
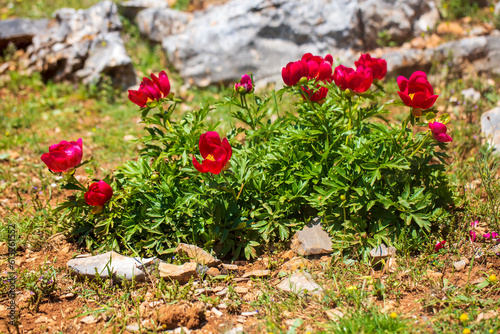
421	143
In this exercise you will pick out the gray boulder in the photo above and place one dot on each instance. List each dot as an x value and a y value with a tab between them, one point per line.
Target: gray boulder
20	32
84	41
158	23
131	8
224	42
110	265
482	52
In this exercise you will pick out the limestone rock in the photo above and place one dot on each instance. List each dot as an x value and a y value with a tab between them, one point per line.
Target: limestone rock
107	56
459	265
381	252
312	240
180	273
20	32
262	36
158	23
490	127
110	265
257	273
230	266
301	282
86	42
130	8
197	254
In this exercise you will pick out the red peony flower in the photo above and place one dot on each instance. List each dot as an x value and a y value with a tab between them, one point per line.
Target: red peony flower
216	153
150	90
318	67
98	194
358	81
439	245
416	92
377	65
439	132
309	67
63	156
245	85
315	95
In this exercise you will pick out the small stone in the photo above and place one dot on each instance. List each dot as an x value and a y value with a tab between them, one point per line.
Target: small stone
288	255
181	273
459	265
89	320
257	273
334	314
241	290
68	295
42	319
234	330
295	263
391	265
301	282
490	127
213	272
196	254
434	274
312	240
217	312
247	314
230	266
133	327
109	264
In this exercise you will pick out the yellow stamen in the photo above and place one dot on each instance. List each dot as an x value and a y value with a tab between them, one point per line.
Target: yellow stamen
411	96
210	157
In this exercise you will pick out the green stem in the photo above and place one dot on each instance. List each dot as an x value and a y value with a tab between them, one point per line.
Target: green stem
421	144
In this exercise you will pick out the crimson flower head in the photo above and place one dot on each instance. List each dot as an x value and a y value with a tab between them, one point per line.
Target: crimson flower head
416	92
439	132
63	156
315	95
308	67
245	85
98	194
492	235
358	81
472	236
216	153
150	89
377	65
439	245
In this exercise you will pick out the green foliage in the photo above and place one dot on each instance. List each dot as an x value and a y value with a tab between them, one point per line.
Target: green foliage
455	9
369	181
40	284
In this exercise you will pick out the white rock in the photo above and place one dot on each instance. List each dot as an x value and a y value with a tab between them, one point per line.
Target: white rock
110	264
300	282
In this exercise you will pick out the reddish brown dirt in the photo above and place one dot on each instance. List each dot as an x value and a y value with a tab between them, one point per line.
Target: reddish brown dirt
65	309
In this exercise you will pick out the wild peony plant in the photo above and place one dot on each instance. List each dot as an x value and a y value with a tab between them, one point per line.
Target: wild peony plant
330	154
